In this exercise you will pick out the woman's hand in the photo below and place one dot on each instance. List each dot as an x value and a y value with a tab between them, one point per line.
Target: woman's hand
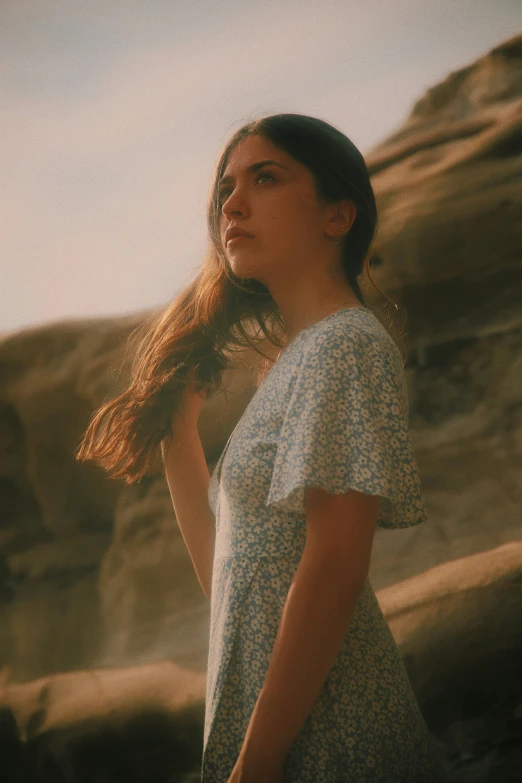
192	401
185	418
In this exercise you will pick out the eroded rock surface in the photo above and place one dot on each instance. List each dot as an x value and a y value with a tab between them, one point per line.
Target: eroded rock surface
448	189
449	251
135	724
458	627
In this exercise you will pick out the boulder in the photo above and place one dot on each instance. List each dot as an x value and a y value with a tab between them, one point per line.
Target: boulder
458	627
134	724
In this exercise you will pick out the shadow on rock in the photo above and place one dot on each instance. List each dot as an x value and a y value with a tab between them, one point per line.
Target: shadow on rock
153	746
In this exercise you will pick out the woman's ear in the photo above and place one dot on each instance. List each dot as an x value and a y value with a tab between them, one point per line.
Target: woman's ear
341	217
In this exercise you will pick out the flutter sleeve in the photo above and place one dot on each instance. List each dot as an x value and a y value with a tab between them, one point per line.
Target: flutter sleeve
346	428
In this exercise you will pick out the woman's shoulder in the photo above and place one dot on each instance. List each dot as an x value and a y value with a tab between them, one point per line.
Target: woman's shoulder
352	332
354	348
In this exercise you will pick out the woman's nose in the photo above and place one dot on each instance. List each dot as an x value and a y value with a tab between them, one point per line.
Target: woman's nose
234	204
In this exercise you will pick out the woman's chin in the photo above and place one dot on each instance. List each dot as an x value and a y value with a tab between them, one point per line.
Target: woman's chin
242	270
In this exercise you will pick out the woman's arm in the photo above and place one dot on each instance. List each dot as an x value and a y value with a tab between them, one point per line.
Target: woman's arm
188	479
319	606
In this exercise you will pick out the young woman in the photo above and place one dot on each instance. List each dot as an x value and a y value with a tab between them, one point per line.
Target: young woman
305	683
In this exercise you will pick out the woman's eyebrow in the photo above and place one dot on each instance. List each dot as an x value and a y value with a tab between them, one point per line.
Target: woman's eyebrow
252	167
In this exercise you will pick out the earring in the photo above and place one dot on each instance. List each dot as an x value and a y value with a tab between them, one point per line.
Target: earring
335	241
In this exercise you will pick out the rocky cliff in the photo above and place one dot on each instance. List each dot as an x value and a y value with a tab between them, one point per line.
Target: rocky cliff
449	252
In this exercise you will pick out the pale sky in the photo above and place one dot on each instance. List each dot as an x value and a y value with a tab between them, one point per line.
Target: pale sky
112	116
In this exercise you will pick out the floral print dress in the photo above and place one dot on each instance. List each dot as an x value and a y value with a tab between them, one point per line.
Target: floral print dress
332	412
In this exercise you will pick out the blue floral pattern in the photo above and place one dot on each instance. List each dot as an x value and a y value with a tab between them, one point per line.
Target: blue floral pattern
332	412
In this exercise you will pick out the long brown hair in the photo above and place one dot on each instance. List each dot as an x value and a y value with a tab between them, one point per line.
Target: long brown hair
190	339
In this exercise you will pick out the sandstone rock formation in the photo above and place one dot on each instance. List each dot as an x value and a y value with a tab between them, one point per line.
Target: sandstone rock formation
134	724
448	189
94	573
449	252
102	696
458	627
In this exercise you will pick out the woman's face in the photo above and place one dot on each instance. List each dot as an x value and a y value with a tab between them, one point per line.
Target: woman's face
277	204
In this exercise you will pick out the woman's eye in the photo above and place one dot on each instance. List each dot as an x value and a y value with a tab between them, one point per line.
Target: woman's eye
222	196
264	174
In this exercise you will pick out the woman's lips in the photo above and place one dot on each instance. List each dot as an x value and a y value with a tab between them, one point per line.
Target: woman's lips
236	239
